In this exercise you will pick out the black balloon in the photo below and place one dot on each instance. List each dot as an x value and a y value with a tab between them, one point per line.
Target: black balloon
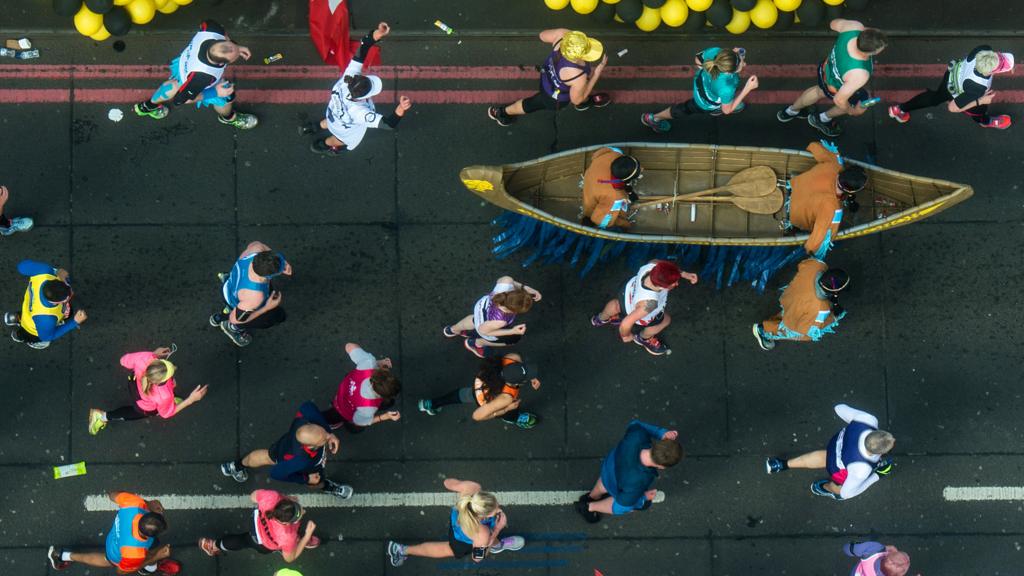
66	8
784	21
811	12
118	22
603	12
694	22
99	6
654	3
629	10
743	5
857	4
719	13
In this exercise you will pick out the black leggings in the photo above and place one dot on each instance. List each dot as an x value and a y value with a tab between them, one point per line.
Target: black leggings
261	322
126	413
243	541
686	108
336	420
941	95
466	396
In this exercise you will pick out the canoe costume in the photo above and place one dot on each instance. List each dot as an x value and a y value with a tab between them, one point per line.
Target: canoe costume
606	198
812	203
807	313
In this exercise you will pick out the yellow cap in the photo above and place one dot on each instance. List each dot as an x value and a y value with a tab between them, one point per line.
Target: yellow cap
287	572
576	45
170	370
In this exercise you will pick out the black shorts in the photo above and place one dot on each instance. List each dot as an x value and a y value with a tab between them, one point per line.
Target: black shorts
459	548
541	101
636	328
686	108
508	339
860	95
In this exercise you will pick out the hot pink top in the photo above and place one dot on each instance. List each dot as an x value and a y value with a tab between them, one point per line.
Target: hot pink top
160	397
273	534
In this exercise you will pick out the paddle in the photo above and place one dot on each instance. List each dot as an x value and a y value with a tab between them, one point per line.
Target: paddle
749	183
768	204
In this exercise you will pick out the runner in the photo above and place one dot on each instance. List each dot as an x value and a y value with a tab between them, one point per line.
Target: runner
153	391
967	87
841	77
363	392
714	89
815	198
629	470
854	457
608	188
643	300
487	325
274	528
10	225
810	306
131	544
495	392
197	78
566	76
46	308
877	559
350	112
252	302
299	457
474	527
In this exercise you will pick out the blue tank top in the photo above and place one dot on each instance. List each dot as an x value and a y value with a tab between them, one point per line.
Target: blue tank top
457	531
239	280
122	538
845	446
551	82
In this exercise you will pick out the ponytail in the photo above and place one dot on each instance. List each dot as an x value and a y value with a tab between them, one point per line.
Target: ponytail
726	61
472	508
158	372
287	511
358	85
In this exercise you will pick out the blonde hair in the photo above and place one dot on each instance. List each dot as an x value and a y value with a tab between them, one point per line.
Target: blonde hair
985	62
879	442
725	61
472	508
156	373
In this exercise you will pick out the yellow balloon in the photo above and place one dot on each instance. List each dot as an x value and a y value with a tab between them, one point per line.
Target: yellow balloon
142	11
787	5
182	2
739	23
556	4
674	13
168	8
649	20
699	5
122	2
619	20
611	1
100	34
764	14
161	3
87	22
834	2
580	6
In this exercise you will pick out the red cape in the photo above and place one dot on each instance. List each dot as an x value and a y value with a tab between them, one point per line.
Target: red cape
330	34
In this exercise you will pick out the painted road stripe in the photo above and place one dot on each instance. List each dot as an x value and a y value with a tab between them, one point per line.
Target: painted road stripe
422	97
101	503
293	72
982	493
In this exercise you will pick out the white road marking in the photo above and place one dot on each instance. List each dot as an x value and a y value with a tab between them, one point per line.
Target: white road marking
101	503
982	493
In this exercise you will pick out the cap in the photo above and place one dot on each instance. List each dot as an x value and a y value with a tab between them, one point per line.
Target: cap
518	373
1005	63
170	369
376	86
287	572
576	45
834	280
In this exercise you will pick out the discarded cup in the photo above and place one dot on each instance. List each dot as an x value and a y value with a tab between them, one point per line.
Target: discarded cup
115	115
623	52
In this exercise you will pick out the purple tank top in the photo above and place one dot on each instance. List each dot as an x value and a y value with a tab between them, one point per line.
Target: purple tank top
551	82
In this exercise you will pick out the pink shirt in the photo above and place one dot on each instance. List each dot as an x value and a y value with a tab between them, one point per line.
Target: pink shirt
160	397
273	534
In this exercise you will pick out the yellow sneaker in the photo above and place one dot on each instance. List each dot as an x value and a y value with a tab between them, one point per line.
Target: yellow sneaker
96	421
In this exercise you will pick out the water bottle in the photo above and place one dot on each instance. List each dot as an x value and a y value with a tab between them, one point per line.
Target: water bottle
28	54
6	52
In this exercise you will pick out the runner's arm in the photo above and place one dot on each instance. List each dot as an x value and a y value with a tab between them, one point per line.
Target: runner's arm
859	477
495	328
34	268
841	25
852	81
254	247
655	432
862	549
365	44
192	87
639	311
849	414
249	309
461	486
500	405
553	35
581	87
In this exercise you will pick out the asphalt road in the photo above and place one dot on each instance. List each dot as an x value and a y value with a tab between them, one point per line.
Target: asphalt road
388	247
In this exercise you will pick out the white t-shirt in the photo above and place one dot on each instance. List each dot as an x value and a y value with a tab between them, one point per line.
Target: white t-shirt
348	119
364	361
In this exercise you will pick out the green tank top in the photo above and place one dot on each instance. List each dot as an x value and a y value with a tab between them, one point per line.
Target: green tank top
840	61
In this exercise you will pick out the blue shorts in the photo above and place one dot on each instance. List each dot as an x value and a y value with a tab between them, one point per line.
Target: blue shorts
209	95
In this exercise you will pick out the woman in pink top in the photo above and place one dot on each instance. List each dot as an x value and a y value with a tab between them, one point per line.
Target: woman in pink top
153	391
274	528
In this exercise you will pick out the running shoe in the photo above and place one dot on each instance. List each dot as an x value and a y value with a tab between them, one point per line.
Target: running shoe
470	345
774	465
309	128
599	100
16	337
897	114
160	113
653	345
240	121
830	128
38	345
313	542
11	319
166	567
396	553
238	337
321	147
1001	122
764	343
209	545
21	224
53	555
96	421
784	116
582	507
343	491
509	543
525	420
596	321
449	333
659	126
222	277
236	474
494	113
427	407
818	489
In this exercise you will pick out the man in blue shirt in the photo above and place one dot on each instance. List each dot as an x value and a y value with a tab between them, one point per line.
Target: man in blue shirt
629	470
46	309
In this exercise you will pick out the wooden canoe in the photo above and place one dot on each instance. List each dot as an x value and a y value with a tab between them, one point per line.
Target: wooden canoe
548	189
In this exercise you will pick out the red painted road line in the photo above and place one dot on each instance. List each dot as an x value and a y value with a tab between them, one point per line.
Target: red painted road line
290	72
426	97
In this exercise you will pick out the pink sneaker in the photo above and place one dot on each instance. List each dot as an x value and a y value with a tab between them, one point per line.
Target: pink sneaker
209	545
1001	122
897	114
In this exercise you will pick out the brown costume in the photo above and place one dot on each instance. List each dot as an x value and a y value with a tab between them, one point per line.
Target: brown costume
598	196
813	204
801	305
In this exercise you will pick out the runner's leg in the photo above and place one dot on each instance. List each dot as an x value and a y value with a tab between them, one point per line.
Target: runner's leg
811	461
929	98
610	310
464	325
457	396
96	559
255	459
430	550
656	329
808	98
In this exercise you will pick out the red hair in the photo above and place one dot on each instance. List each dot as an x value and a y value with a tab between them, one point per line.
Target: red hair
665	274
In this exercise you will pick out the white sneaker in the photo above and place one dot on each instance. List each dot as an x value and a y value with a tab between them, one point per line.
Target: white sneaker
511	543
